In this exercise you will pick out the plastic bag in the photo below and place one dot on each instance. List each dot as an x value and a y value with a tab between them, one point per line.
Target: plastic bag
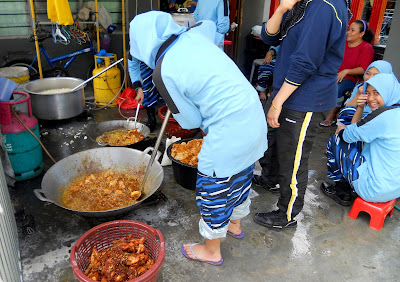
165	160
127	99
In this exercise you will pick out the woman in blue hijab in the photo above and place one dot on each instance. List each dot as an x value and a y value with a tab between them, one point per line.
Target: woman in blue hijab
365	155
346	114
207	91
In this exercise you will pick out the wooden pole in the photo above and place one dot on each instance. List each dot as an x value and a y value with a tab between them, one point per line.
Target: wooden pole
375	22
356	9
36	39
273	6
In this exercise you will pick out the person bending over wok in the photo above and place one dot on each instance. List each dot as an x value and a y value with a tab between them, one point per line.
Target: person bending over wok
210	92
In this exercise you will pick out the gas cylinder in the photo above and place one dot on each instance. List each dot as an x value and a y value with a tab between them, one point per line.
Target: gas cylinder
23	149
108	84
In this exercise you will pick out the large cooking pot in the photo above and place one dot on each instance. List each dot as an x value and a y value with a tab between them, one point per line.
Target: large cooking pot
184	174
84	163
59	105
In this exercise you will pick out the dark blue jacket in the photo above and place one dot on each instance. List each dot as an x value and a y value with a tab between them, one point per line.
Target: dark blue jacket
310	56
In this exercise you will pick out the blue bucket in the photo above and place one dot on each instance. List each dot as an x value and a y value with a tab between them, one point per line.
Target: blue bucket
6	89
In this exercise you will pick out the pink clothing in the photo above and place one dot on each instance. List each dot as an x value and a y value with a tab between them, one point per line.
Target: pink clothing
359	56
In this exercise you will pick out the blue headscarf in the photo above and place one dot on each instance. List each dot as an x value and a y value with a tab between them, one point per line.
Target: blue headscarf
387	86
381	66
148	31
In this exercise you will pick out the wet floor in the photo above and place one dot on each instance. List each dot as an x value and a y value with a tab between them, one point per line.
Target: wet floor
327	245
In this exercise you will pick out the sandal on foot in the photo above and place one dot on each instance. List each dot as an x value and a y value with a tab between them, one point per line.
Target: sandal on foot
196	258
327	123
237	236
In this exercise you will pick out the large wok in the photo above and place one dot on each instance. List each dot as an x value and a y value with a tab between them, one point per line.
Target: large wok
103	127
73	167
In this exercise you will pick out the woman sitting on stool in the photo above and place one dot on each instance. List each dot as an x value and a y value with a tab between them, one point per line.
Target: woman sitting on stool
365	156
346	114
358	54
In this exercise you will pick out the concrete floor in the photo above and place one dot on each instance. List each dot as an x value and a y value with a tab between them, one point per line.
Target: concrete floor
327	245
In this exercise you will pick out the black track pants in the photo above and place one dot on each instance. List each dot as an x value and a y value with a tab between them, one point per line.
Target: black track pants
294	139
269	162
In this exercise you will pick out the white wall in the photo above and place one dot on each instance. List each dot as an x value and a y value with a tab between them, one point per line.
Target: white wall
392	53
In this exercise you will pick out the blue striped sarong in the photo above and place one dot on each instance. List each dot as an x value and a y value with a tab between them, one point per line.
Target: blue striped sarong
346	115
343	159
222	199
264	73
151	96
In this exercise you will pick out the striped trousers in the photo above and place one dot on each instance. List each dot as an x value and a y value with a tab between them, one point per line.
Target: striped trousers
346	115
151	96
222	199
264	73
343	159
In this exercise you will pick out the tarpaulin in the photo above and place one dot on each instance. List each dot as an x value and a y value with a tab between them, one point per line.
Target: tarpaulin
59	11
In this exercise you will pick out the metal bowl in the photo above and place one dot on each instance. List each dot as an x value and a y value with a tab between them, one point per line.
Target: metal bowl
59	105
103	127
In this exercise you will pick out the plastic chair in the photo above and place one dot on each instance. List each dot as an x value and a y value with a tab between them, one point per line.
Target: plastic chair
256	62
377	211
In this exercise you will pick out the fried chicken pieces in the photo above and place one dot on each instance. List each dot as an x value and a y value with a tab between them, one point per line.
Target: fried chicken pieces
187	152
124	261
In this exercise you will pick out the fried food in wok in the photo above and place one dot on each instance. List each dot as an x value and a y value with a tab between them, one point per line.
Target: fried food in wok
102	191
120	137
187	152
124	261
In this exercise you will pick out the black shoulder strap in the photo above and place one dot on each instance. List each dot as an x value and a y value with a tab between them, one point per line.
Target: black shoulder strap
376	113
226	7
165	46
157	79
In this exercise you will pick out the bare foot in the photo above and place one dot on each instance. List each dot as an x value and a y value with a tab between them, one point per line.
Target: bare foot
235	227
202	253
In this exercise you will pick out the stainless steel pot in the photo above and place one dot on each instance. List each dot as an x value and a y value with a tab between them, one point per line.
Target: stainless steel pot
81	164
56	106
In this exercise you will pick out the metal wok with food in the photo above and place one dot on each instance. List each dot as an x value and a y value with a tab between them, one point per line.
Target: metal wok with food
98	130
84	163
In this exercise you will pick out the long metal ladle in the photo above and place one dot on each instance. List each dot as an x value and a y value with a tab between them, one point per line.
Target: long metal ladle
153	155
96	75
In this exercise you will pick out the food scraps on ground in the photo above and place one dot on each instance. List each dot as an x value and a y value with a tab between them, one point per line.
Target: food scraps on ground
124	261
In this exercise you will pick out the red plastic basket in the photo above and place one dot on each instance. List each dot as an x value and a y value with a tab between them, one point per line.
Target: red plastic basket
102	236
173	128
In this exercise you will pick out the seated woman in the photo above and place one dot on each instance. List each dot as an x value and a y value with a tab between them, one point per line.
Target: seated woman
346	114
265	71
358	54
190	5
365	156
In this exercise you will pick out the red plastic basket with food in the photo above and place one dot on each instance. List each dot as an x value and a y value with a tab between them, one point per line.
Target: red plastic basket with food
173	128
102	237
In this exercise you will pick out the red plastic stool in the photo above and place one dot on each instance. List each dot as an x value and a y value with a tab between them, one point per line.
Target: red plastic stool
377	211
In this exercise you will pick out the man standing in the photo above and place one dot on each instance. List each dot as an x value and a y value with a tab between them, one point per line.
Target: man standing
311	35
